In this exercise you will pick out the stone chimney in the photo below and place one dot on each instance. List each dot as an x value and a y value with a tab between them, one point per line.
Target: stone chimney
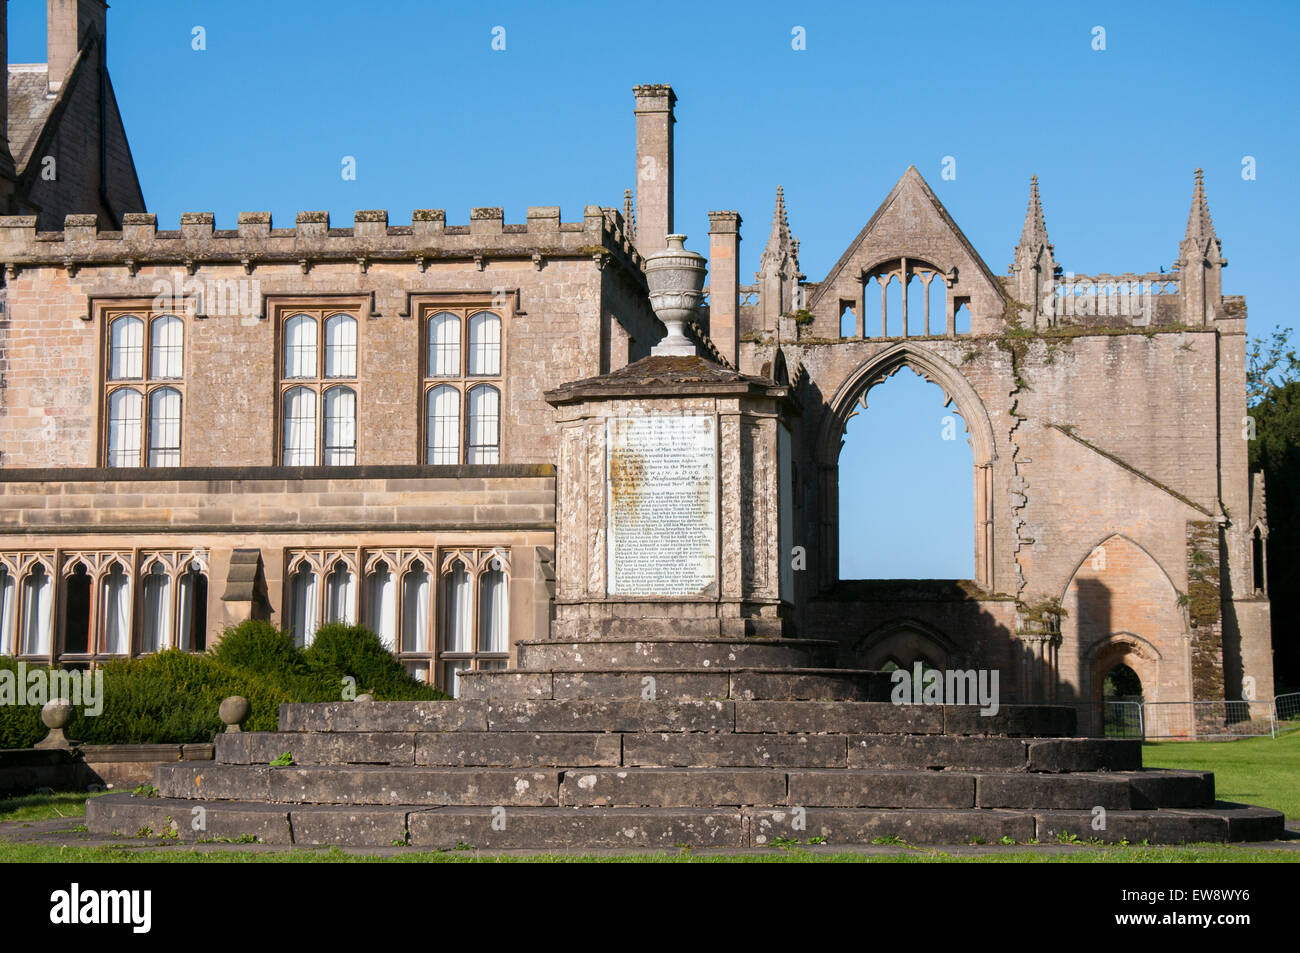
654	166
70	24
6	157
724	284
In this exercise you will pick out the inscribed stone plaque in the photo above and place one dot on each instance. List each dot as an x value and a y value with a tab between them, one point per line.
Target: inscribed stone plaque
661	507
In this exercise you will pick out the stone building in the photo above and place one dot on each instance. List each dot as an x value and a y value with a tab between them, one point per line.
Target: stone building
201	425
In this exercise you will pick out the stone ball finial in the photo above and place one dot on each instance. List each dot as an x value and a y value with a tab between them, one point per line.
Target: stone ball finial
56	714
676	280
234	711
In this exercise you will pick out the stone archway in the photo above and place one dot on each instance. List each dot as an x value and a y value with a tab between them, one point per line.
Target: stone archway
851	395
904	641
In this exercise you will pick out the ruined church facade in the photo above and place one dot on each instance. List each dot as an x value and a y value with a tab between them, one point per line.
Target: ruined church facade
312	423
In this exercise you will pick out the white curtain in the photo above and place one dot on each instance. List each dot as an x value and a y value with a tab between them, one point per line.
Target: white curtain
126	349
493	612
117	611
300	346
381	605
124	407
415	609
37	592
442	430
451	676
167	348
299	427
8	591
165	427
156	633
444	345
341	346
460	632
340	595
484	425
304	605
340	427
485	345
189	581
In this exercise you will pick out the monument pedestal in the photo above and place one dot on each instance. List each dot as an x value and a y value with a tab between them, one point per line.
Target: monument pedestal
670	522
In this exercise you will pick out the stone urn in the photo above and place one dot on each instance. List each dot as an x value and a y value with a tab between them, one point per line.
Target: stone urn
56	714
676	279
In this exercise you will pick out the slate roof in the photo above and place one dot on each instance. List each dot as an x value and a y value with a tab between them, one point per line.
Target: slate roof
29	108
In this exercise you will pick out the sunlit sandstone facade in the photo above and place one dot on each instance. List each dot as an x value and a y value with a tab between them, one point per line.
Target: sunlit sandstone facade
309	423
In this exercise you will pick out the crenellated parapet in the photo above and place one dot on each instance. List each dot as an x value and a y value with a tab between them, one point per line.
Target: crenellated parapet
255	240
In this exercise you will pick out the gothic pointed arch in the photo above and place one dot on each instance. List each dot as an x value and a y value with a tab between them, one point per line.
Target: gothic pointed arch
851	396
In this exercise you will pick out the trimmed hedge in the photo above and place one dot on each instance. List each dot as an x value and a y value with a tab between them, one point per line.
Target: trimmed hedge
172	697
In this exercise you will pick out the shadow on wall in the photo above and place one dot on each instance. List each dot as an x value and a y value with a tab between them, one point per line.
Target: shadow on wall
949	623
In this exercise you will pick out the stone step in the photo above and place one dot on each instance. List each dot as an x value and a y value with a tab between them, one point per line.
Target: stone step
360	784
577	829
682	787
514	749
627	715
680	685
681	654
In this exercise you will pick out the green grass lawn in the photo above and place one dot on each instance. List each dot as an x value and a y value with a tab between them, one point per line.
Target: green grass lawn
1261	771
45	807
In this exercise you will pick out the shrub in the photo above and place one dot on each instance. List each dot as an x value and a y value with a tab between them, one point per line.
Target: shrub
259	646
338	650
20	725
173	697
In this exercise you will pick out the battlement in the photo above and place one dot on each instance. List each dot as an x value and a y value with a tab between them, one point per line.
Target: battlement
600	235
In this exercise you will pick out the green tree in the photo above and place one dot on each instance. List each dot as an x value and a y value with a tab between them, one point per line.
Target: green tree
1273	393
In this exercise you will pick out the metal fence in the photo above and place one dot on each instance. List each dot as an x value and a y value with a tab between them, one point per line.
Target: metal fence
1286	711
1189	721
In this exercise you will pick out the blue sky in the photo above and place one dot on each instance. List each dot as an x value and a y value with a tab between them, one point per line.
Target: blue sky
436	118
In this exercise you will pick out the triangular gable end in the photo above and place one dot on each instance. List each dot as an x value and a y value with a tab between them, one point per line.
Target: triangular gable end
911	222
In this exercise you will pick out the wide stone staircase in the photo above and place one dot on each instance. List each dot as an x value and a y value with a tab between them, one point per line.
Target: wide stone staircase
668	743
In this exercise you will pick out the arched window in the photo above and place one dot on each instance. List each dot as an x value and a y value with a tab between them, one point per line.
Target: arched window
125	419
38	591
164	427
484	443
192	619
116	611
300	346
381	604
484	344
1259	561
494	612
442	431
444	345
142	424
167	349
460	611
126	348
319	416
8	610
156	631
415	608
462	411
299	427
341	346
340	426
340	595
303	604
